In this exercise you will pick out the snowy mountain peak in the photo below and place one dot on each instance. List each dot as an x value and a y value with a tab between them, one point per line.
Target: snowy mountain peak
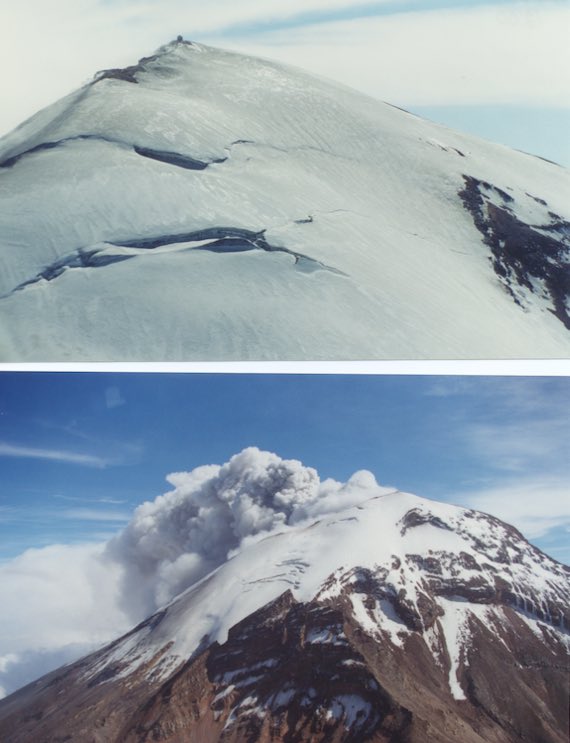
281	215
395	616
417	558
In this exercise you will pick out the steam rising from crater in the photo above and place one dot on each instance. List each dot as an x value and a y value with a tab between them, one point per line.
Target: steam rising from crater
214	510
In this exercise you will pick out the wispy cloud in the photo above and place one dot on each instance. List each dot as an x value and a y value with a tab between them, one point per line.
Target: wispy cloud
533	505
123	452
523	446
69	429
295	15
515	433
516	395
252	15
94	514
508	424
55	455
80	499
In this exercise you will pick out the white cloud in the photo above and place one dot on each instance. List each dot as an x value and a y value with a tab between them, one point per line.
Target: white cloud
81	499
6	661
57	602
511	53
56	455
31	664
93	514
534	506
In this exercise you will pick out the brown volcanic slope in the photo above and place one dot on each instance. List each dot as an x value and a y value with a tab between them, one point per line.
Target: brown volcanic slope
358	662
308	672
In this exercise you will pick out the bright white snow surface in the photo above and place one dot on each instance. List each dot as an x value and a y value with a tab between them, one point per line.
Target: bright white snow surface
389	263
317	558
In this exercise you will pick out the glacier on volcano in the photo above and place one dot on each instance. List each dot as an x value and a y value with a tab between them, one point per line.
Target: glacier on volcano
205	205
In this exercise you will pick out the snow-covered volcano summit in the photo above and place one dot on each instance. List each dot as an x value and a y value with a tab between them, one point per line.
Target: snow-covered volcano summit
393	619
206	205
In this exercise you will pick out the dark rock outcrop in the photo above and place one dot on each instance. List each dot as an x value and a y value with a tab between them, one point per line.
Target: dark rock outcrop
524	256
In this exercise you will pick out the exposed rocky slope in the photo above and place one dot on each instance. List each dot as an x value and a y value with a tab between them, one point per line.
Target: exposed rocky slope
206	205
399	619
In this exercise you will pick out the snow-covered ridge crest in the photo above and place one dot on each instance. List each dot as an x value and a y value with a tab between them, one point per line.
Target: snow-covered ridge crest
282	215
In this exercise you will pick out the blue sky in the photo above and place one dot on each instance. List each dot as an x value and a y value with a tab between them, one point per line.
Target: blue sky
78	451
496	68
538	131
